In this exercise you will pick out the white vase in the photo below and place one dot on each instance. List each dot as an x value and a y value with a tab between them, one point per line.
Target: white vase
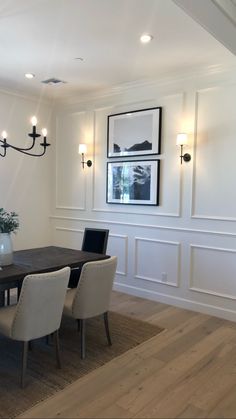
6	250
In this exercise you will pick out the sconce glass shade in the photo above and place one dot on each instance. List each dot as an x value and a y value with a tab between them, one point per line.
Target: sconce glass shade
182	139
82	148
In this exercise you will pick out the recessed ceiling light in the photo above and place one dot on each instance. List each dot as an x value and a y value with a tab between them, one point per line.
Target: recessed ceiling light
145	38
29	75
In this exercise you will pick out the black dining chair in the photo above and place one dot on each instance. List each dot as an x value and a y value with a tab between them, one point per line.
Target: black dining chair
94	240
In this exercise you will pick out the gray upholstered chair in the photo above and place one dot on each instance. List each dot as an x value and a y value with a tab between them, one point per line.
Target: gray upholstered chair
38	312
92	296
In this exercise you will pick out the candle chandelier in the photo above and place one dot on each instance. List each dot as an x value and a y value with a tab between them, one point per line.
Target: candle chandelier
33	135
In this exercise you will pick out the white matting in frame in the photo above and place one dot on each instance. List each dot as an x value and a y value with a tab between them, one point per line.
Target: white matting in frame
133	182
135	133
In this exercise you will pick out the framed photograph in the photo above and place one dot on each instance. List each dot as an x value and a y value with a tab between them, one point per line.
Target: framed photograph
135	133
133	182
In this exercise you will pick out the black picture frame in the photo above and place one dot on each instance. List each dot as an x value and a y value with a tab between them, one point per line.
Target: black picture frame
133	182
134	133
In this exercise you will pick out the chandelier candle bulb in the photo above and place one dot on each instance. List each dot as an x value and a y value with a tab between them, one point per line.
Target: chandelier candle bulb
34	121
4	135
44	132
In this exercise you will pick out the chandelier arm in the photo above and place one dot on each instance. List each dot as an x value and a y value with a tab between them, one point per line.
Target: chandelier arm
24	150
33	135
7	145
21	149
5	151
32	154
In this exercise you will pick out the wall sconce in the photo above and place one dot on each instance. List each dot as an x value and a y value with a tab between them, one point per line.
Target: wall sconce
182	139
83	151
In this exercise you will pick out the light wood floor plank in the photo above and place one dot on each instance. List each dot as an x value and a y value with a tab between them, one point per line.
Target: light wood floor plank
187	371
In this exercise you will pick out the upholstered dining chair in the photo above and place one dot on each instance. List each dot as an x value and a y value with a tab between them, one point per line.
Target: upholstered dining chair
38	312
92	296
95	241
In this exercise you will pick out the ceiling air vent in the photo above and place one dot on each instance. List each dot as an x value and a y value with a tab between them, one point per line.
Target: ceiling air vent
53	80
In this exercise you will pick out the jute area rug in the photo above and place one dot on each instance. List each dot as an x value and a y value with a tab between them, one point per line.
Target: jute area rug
43	377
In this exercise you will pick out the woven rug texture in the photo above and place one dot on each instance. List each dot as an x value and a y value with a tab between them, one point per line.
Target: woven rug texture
43	377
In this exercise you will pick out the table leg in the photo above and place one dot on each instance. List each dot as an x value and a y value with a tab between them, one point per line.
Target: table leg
2	298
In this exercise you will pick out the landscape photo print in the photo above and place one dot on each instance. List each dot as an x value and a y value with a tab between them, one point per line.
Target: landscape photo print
135	133
133	182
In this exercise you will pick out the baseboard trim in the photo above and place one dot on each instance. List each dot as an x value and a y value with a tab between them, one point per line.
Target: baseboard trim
223	313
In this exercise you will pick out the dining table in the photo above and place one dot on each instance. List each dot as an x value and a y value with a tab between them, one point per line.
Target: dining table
41	260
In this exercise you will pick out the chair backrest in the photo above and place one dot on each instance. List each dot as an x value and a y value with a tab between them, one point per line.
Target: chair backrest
40	306
95	240
92	296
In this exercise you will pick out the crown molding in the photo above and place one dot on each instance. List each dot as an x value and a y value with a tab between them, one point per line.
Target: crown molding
212	74
27	96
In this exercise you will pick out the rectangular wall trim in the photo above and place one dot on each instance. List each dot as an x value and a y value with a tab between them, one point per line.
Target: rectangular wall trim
151	277
211	272
152	226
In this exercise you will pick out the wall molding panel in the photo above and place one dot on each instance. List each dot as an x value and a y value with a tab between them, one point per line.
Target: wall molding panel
208	139
68	163
68	237
74	230
168	261
60	207
213	271
148	226
120	250
213	218
177	215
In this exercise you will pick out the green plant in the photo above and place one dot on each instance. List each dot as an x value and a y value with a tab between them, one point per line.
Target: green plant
9	221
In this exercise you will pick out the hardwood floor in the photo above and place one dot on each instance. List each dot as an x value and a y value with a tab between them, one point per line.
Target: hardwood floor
188	371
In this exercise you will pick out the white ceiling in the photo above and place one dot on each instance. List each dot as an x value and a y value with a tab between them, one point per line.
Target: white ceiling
45	36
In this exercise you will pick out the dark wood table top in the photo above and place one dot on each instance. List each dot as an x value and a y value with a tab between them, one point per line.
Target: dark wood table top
43	259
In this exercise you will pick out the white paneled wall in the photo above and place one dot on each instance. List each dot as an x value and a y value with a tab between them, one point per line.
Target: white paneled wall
183	251
215	154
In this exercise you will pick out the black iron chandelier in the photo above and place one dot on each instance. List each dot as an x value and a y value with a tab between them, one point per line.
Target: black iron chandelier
34	135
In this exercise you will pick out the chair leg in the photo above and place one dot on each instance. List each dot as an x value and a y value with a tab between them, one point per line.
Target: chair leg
8	297
105	315
49	338
58	356
2	298
78	325
24	363
82	338
18	291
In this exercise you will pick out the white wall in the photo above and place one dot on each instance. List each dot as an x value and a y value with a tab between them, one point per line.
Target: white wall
182	252
25	182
